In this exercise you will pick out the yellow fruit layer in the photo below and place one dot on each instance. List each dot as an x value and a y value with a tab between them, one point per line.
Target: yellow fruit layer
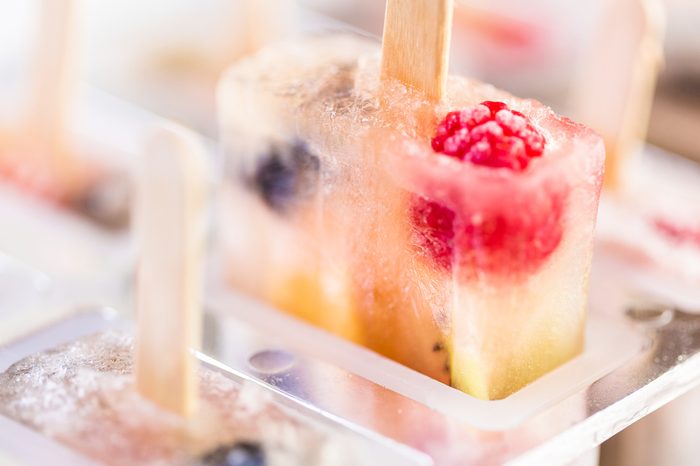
303	295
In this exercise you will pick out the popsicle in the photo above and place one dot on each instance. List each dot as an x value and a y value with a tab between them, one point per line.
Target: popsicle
39	153
452	236
650	192
614	89
82	395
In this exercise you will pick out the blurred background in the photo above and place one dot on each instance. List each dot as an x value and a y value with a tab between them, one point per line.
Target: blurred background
166	56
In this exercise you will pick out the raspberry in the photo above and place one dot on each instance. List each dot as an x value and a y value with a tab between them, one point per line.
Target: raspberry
435	229
489	134
511	234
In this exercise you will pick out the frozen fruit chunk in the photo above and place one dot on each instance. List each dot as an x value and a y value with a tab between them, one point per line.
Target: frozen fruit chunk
489	134
514	239
434	230
508	235
285	175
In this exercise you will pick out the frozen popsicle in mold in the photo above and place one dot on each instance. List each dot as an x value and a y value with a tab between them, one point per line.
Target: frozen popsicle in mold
614	88
39	153
83	395
452	236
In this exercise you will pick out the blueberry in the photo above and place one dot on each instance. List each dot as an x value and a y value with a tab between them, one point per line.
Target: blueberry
240	454
287	174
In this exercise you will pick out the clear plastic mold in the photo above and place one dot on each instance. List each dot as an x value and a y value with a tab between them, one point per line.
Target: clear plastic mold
72	383
649	233
638	356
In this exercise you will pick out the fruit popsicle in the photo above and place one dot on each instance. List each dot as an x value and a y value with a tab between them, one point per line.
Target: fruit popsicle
454	237
82	394
38	152
37	155
614	88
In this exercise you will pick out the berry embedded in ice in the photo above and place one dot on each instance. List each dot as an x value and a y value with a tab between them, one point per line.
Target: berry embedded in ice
489	134
508	235
434	227
240	454
506	239
287	174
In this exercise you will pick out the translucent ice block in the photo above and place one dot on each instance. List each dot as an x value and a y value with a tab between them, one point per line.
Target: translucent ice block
82	395
324	215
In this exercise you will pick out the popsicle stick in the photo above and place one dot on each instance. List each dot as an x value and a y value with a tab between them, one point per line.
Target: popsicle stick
53	79
171	192
615	88
416	44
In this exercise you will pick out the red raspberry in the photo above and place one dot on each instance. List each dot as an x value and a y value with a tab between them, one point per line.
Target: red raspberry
507	236
489	134
434	225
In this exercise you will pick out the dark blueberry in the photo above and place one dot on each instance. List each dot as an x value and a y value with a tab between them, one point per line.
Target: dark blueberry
286	175
240	454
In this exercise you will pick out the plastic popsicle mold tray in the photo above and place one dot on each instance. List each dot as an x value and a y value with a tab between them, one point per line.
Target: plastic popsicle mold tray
637	358
15	437
650	359
633	363
643	336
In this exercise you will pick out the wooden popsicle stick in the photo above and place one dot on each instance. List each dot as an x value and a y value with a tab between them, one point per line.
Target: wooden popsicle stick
53	79
614	91
416	44
171	193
